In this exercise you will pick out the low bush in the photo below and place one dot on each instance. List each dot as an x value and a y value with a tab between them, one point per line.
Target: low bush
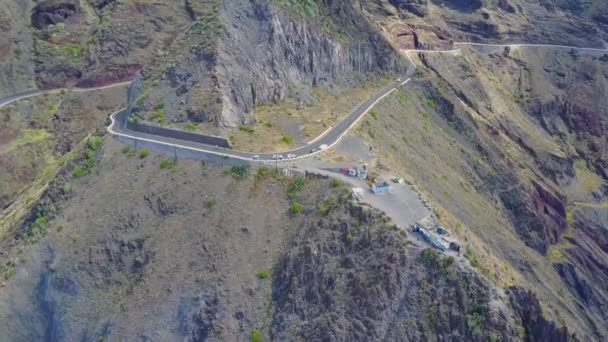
246	128
190	126
168	164
144	153
255	335
211	202
263	274
295	208
78	172
288	139
239	171
336	183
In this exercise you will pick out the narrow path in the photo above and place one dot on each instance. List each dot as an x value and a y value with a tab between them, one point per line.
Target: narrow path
36	92
535	45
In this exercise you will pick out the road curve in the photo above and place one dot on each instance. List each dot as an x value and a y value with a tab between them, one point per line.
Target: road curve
330	138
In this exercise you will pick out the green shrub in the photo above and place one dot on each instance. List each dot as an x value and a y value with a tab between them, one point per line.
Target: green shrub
255	335
324	208
288	139
144	153
349	238
168	164
475	323
8	270
263	274
428	257
211	202
296	185
446	263
95	142
431	104
78	172
159	106
39	225
190	126
239	171
246	128
126	149
470	255
374	114
295	208
160	116
336	183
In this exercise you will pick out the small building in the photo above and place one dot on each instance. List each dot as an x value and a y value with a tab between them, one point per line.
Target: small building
380	186
358	194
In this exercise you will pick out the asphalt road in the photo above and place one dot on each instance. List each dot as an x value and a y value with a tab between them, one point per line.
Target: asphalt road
329	138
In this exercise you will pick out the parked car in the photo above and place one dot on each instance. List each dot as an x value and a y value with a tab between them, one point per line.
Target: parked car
275	156
256	157
291	156
279	156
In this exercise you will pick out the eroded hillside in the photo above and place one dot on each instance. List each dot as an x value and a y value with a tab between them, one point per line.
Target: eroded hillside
104	241
192	252
509	144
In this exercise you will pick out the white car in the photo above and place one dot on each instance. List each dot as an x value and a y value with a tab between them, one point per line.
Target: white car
279	156
256	157
291	156
322	147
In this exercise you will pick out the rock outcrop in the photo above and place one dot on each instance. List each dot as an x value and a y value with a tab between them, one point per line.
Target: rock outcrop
256	51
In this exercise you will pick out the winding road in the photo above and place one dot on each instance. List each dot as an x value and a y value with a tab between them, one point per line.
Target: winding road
328	139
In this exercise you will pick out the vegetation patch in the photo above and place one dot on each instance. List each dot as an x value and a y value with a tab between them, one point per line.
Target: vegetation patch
246	128
263	274
255	335
93	144
295	208
8	270
239	171
288	139
25	137
143	153
190	126
294	188
168	164
300	8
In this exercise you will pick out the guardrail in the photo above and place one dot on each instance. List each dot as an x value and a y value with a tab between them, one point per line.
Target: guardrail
166	132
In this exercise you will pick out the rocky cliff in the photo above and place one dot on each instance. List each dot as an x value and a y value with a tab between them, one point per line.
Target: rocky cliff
238	55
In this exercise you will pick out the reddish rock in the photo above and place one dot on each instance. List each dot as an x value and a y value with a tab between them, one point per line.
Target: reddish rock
551	209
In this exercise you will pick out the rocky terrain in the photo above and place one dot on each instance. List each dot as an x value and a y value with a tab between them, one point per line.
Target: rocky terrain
102	241
199	256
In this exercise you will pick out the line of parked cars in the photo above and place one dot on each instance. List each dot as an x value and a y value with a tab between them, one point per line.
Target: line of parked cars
291	155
